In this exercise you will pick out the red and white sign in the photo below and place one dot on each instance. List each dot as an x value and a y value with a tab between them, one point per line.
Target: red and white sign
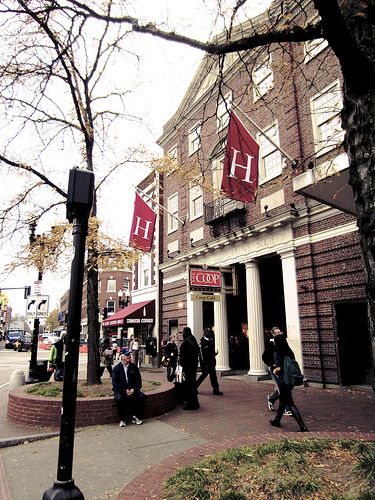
38	287
205	279
143	225
240	174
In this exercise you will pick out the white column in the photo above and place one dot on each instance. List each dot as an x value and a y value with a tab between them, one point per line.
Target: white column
221	334
254	319
288	264
194	316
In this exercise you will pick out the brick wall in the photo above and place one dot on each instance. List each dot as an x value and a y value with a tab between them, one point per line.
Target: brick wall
36	411
328	272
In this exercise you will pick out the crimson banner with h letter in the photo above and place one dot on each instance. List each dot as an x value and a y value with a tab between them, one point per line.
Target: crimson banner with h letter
143	225
240	174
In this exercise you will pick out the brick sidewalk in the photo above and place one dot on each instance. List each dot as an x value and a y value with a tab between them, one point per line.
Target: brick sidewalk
240	417
237	418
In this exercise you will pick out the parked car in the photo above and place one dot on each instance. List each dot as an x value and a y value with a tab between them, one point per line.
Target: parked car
11	336
23	343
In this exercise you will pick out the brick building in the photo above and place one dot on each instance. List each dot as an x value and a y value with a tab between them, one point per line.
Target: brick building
114	290
289	259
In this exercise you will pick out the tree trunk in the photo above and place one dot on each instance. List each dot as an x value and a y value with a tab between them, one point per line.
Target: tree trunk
359	144
93	358
359	122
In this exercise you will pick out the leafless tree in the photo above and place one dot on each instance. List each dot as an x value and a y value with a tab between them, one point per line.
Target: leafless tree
57	97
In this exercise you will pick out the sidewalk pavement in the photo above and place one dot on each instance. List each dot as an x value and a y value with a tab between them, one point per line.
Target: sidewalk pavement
133	462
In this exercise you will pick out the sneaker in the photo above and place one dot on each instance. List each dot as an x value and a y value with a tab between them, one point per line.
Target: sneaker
287	413
217	393
136	420
270	405
122	424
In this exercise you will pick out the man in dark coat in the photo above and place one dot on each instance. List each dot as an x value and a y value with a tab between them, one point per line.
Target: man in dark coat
127	384
209	361
189	356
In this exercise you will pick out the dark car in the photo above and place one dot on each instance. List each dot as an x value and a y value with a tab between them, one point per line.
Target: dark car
23	343
11	336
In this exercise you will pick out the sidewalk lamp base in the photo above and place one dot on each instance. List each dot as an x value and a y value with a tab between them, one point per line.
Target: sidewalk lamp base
63	491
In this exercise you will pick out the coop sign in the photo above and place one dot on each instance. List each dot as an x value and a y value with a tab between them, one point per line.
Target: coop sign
205	280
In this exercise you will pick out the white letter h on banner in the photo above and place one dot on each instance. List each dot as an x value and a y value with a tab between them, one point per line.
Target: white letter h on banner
247	167
144	229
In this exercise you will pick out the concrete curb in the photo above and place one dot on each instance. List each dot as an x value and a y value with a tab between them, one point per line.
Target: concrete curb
5	443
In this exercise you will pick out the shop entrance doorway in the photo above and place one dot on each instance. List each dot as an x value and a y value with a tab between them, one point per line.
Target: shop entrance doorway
271	283
353	343
273	305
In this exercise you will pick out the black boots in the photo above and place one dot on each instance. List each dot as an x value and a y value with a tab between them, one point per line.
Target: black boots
296	414
276	422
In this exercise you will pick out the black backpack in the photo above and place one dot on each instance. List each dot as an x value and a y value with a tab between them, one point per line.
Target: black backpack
291	372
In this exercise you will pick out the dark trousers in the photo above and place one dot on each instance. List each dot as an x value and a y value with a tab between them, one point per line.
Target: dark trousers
109	368
127	406
286	400
190	389
211	371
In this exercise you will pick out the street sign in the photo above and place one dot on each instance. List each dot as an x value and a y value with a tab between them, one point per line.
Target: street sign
205	297
205	280
38	287
37	306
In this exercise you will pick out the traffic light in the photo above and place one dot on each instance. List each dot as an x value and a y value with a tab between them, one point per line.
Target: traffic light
105	313
27	292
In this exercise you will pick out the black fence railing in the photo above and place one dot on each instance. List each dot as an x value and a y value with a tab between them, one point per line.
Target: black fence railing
222	208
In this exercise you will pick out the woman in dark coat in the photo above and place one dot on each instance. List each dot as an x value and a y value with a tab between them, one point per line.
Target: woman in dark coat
171	351
282	349
189	356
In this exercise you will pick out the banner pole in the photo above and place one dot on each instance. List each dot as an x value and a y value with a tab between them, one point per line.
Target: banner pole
265	135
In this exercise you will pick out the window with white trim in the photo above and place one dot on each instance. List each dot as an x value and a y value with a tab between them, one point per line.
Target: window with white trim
270	160
145	270
196	199
172	160
111	285
262	77
111	305
325	114
313	47
223	109
217	176
173	209
194	138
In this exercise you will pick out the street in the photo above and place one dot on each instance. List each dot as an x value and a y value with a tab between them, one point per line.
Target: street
12	360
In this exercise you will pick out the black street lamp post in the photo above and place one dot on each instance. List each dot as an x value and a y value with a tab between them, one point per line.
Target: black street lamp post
123	303
79	203
34	374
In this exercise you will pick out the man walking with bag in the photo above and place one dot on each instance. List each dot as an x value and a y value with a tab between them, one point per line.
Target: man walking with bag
209	361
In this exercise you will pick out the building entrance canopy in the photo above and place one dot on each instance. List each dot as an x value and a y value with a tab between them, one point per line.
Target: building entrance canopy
328	183
136	314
